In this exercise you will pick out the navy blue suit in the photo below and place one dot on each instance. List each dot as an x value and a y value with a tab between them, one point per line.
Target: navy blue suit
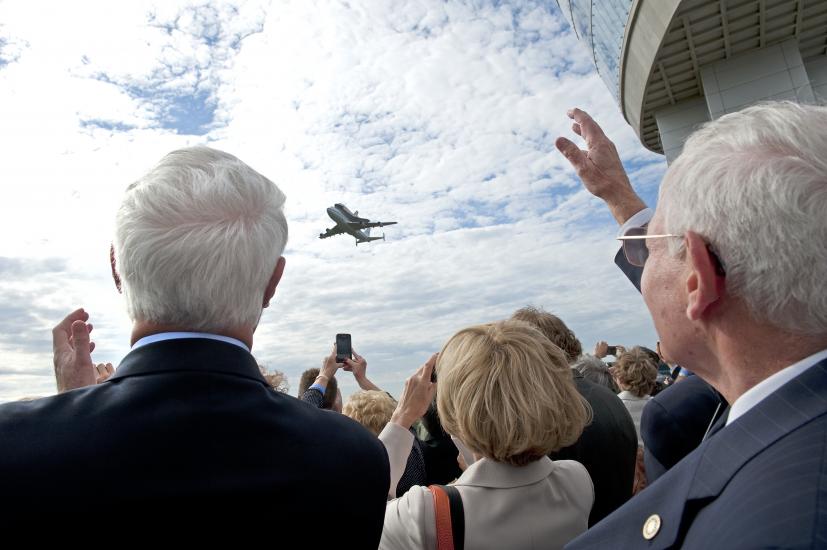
187	434
674	423
760	482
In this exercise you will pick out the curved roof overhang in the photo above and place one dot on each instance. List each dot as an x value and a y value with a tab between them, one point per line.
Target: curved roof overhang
667	41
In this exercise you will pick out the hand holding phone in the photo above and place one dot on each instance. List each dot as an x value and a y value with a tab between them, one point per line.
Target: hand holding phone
343	348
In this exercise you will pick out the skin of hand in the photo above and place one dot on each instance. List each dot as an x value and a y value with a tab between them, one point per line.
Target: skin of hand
103	372
73	352
417	396
358	366
619	350
330	366
599	166
601	349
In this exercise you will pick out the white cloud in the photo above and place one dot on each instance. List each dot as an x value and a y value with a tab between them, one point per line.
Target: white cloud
438	115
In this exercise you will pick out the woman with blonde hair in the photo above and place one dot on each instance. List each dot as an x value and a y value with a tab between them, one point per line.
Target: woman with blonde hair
506	394
636	373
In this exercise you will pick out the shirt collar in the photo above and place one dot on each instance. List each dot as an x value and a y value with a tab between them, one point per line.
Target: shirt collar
758	392
161	336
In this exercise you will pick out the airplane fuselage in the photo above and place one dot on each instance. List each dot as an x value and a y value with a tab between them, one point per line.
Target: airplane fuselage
344	217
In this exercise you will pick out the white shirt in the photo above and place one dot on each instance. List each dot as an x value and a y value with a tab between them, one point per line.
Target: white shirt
161	336
638	220
763	389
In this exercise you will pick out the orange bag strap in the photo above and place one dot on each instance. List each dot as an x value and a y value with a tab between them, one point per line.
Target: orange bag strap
442	511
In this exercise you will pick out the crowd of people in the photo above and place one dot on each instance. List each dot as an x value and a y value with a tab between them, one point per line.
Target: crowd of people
510	436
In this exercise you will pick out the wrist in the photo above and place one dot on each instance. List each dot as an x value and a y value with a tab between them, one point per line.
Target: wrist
402	418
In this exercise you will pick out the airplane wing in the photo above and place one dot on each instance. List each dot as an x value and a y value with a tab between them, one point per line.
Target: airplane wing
338	230
376	224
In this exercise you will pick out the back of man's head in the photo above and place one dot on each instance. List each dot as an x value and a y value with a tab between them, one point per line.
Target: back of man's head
197	241
753	184
552	328
330	391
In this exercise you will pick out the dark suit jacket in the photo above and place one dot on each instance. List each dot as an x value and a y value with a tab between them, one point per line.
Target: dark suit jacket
188	434
607	448
760	482
674	423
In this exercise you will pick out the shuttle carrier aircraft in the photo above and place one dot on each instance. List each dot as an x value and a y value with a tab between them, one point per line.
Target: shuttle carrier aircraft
350	222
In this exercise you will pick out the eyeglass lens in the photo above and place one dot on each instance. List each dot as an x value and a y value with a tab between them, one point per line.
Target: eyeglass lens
635	249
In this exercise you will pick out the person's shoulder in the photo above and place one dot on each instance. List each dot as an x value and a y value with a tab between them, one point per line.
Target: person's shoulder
409	520
573	477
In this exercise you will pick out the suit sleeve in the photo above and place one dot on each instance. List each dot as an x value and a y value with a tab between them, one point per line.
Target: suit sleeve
313	397
633	273
398	442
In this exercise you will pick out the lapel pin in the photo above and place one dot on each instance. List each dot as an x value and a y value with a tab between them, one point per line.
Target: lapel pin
651	527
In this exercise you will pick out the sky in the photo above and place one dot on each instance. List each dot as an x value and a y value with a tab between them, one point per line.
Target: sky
440	115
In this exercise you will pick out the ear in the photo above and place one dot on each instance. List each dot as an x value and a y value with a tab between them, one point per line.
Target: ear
115	276
273	282
705	286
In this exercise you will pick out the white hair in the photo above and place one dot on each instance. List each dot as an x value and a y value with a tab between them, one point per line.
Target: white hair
197	240
753	184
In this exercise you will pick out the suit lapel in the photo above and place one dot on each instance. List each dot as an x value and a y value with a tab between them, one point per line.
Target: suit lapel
795	403
705	472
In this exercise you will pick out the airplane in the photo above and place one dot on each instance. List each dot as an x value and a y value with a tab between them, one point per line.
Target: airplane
350	222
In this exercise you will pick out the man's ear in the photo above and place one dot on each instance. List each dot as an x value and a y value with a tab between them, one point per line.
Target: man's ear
273	282
115	276
705	284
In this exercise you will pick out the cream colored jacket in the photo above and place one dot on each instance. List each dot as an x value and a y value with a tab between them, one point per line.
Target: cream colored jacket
542	505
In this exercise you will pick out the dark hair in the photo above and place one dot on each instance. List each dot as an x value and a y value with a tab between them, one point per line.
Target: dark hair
552	328
306	381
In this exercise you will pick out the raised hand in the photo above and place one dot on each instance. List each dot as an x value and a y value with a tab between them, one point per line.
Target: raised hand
359	366
417	395
73	352
599	167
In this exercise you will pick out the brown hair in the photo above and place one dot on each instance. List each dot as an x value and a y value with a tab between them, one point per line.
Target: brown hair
306	381
552	328
636	371
507	392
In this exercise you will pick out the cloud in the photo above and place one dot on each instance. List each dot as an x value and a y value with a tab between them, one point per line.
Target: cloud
439	115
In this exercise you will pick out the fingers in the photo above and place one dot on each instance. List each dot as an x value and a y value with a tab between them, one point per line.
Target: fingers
103	372
588	128
573	153
91	347
80	337
63	330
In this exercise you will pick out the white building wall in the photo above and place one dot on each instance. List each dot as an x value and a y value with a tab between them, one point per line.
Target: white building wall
774	72
817	71
677	122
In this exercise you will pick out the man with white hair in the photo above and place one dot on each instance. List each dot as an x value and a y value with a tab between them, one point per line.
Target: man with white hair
732	266
187	433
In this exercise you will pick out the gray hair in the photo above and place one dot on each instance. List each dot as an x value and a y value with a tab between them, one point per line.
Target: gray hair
595	370
753	184
197	240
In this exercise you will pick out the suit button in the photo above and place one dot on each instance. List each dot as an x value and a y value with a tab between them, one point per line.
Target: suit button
651	527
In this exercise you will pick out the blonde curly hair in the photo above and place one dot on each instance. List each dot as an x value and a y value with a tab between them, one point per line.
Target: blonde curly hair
372	409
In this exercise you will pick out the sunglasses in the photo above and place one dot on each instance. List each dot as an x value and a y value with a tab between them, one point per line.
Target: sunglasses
634	247
634	244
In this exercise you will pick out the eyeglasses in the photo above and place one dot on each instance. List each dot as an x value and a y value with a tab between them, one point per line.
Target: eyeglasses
634	247
634	244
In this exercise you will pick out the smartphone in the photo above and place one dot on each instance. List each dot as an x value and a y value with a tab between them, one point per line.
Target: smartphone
611	350
343	349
